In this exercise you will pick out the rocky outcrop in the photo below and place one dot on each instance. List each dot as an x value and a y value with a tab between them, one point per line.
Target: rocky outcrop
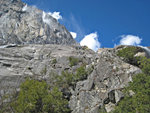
22	24
37	61
142	51
104	86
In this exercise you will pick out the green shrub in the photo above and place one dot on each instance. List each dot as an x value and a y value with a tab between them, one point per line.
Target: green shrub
36	97
6	107
69	79
73	61
85	47
128	54
54	61
145	65
140	101
65	80
81	73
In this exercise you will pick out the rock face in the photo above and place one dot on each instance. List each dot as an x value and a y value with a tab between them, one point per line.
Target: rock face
103	87
37	61
22	24
22	27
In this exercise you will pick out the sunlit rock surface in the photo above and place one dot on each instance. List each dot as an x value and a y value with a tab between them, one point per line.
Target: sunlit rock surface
103	87
22	24
33	44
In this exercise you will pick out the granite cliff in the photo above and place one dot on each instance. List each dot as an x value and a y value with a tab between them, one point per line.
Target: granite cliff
22	24
33	44
102	86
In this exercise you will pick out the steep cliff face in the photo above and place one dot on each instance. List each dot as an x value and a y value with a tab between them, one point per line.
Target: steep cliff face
102	87
39	62
22	27
22	24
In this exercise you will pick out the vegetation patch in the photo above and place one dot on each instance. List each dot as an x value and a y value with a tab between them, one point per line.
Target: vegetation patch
54	61
85	47
68	79
73	61
37	97
139	100
128	55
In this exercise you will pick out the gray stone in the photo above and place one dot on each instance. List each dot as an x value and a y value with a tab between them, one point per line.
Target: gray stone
23	27
131	93
22	24
141	54
18	62
118	95
109	107
104	85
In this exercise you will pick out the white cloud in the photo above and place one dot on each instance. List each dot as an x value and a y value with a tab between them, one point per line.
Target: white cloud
55	15
74	35
91	41
130	40
25	8
45	19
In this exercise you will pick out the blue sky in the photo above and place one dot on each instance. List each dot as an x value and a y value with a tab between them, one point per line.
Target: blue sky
110	20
